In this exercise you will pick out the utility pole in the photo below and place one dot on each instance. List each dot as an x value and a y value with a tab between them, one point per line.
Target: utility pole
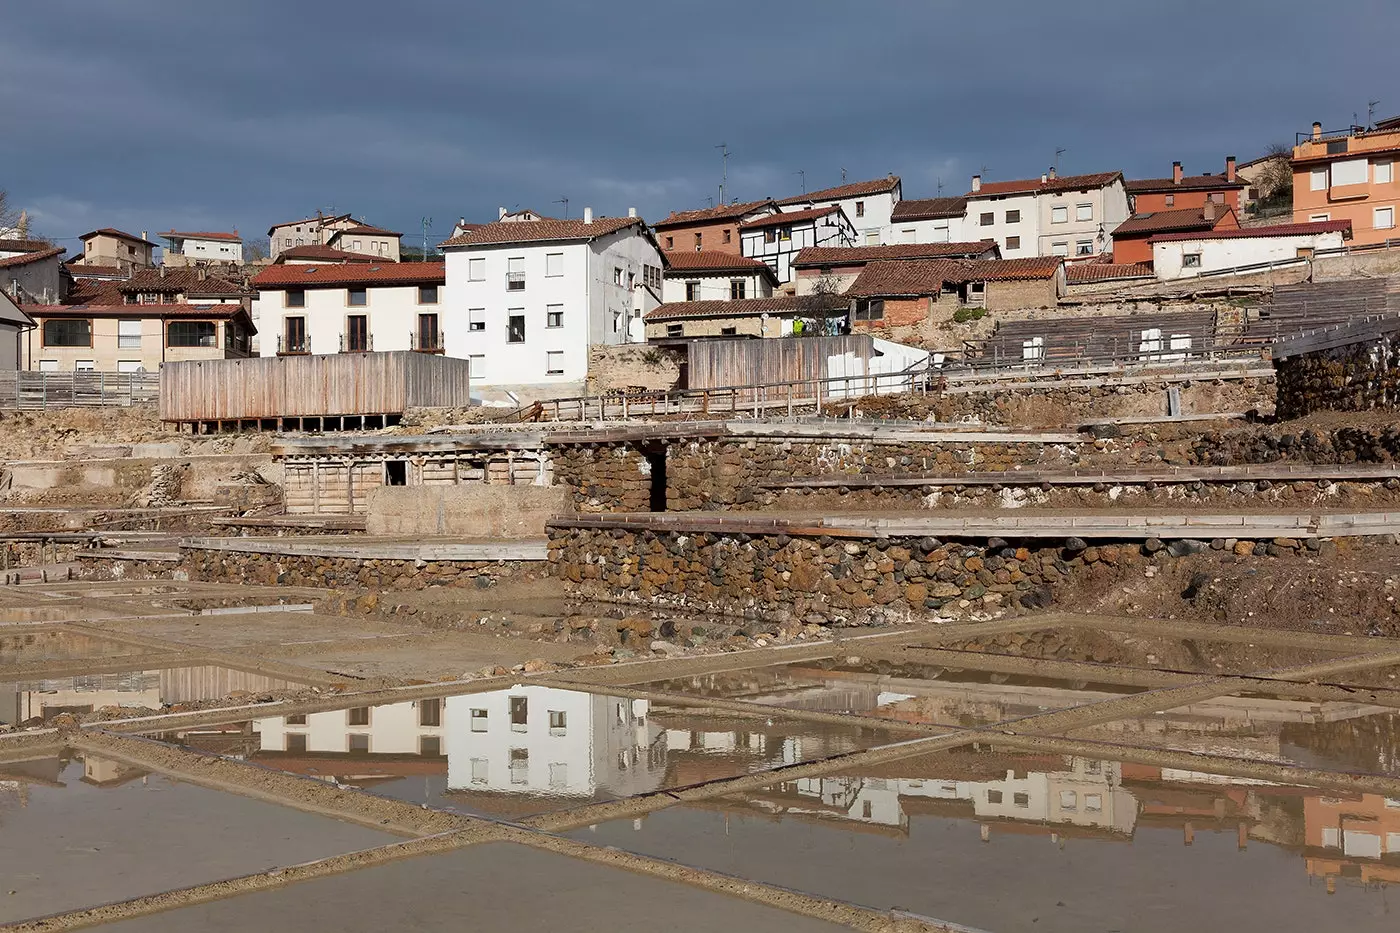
803	174
940	186
724	173
427	222
565	202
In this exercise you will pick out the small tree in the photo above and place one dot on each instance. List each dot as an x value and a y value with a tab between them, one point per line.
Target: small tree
256	249
823	304
1275	179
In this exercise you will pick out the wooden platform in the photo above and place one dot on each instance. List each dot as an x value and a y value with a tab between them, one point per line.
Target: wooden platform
1274	472
360	547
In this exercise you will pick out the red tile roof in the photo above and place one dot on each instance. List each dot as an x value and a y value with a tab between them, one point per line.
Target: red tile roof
328	276
318	253
24	259
180	281
536	231
816	256
1080	273
1321	226
212	310
23	246
712	260
230	237
792	217
714	214
1186	218
926	276
81	269
1188	182
746	307
108	231
841	192
365	230
308	220
1050	185
929	208
96	292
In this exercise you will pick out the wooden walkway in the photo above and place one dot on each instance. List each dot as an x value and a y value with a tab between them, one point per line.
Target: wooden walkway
360	547
1165	476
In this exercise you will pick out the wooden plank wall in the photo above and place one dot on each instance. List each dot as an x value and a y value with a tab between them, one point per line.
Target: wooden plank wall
716	363
311	386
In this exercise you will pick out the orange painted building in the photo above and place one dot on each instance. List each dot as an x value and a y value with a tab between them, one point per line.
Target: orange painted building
1349	175
1131	239
1180	191
710	229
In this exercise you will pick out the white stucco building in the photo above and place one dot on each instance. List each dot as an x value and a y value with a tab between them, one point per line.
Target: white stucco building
305	308
191	248
778	238
868	205
710	275
928	220
1186	255
1054	215
527	299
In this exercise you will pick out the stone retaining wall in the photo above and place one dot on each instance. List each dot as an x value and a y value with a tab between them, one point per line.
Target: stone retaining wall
1359	377
337	572
1286	443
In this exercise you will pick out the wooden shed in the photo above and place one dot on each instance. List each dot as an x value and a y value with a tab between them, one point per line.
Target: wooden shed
329	392
853	360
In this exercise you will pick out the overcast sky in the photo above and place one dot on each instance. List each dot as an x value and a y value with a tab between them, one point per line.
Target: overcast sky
148	115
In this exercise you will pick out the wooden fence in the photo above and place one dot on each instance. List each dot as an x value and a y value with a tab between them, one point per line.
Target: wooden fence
30	391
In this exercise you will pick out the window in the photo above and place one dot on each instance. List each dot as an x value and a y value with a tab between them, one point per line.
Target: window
519	713
51	366
554	363
558	776
478	720
430	745
1059	249
476	269
770	235
860	208
357	297
553	315
1059	215
692	291
1093	803
190	334
123	366
1335	146
296	742
519	765
729	331
1350	172
675	330
1383	173
515	274
987	219
1013	217
993	796
1383	218
1217	197
872	238
784	233
84	366
1084	212
1069	800
1013	242
870	309
1083	247
430	712
476	319
481	770
1318	218
356	334
293	335
358	247
1318	179
68	333
558	722
128	334
736	289
357	716
670	242
295	298
428	337
1170	200
617	274
427	294
697	241
728	235
553	265
515	326
1021	800
1191	260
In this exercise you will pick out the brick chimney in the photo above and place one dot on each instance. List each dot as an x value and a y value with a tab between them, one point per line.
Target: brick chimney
1229	168
1317	130
1208	212
976	182
1176	173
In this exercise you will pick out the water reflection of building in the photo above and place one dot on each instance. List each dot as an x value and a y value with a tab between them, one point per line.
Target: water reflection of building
1353	837
84	693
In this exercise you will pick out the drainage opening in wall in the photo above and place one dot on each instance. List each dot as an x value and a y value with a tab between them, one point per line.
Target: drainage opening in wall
395	472
656	461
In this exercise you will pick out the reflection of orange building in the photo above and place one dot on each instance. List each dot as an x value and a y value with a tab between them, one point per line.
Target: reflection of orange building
1363	831
1349	175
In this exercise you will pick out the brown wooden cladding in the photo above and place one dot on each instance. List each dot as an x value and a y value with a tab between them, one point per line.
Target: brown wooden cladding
312	386
714	363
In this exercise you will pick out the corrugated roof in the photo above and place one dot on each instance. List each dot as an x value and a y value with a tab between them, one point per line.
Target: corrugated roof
534	231
841	192
929	208
859	255
328	276
1321	226
746	307
1049	186
790	217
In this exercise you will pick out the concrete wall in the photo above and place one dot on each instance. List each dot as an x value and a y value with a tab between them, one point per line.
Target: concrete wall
476	511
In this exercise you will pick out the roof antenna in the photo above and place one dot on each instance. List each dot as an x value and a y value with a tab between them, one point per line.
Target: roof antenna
1371	113
724	176
843	175
1059	152
803	174
940	186
565	202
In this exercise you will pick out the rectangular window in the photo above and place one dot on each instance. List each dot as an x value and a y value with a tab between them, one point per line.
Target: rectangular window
478	720
1084	212
692	291
430	712
728	235
1318	179
737	288
553	265
1217	197
293	335
617	273
51	366
296	742
515	326
476	319
1335	146
357	297
356	333
123	366
520	766
987	219
1083	247
481	770
1021	800
558	776
59	333
872	238
1170	200
1059	249
729	331
770	235
1318	218
128	334
860	208
430	746
872	309
297	720
1350	172
476	269
84	366
558	722
1383	173
697	241
554	362
1093	803
515	274
295	298
190	334
1013	217
357	716
675	330
670	242
428	336
553	315
427	294
1013	242
1069	800
993	796
1383	218
519	713
1191	260
1059	215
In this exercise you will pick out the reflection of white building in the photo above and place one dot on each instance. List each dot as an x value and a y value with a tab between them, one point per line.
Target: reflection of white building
84	693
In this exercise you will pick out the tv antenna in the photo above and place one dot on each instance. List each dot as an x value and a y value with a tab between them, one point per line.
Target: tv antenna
940	186
843	175
1059	152
1371	112
724	174
565	202
427	222
802	173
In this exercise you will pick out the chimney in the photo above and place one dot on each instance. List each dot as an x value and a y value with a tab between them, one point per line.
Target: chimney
632	212
1229	168
162	270
976	182
1317	130
1176	173
588	215
1051	173
461	221
1044	178
200	272
1208	212
500	213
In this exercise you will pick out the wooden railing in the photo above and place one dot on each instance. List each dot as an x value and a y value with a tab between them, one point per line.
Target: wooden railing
30	391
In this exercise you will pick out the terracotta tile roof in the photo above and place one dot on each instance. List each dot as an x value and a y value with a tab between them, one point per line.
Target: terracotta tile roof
713	214
1080	273
1009	270
1321	226
96	292
186	281
927	276
1050	185
308	220
230	237
841	192
23	246
81	269
712	260
1188	182
929	208
1187	218
212	310
791	217
329	276
365	230
745	307
318	253
536	231
108	231
24	259
816	256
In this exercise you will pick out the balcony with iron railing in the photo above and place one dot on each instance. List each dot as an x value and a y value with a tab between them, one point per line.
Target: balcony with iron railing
356	343
432	341
515	281
288	345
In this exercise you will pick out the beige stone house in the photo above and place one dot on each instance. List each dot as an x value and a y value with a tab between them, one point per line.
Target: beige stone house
109	247
781	316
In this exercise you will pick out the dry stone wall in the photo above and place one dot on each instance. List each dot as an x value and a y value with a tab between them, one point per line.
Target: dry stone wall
1359	377
342	573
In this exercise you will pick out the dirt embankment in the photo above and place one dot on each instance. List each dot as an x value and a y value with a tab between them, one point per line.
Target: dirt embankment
83	432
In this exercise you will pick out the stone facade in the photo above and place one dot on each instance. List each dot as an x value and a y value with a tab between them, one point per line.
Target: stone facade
1358	377
621	367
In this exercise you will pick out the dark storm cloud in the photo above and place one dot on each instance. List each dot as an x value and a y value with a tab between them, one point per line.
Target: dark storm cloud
147	115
